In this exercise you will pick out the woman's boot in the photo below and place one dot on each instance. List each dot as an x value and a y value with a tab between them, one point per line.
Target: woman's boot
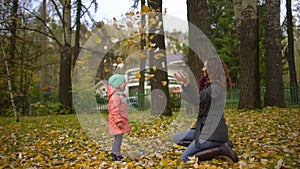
222	150
208	154
226	150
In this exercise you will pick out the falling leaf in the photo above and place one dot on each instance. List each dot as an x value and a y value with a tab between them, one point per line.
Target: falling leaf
138	75
164	83
158	55
145	9
119	60
98	40
143	37
151	37
152	44
159	25
80	62
153	21
154	68
106	69
156	50
142	55
149	76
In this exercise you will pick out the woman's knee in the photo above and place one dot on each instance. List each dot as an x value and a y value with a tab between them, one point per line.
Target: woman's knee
176	138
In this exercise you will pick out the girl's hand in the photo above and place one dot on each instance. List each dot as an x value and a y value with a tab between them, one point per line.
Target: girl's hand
120	125
183	77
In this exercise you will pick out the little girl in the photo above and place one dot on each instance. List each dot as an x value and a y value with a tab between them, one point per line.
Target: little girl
118	115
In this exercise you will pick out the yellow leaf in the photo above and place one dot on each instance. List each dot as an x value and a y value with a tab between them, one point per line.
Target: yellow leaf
164	83
152	44
106	69
164	162
149	76
119	60
265	154
154	68
215	161
167	34
158	55
143	37
153	21
98	40
145	9
151	37
80	62
138	75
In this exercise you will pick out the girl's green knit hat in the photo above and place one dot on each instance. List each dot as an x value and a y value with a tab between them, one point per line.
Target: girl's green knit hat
115	80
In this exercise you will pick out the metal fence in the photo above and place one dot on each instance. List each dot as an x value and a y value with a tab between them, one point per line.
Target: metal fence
232	100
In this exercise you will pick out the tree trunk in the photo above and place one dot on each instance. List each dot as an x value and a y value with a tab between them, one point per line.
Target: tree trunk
198	20
43	83
274	95
77	33
249	57
197	15
13	29
9	82
65	93
141	89
291	54
10	59
160	96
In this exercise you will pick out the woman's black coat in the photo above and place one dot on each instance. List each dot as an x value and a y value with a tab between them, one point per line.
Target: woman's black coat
211	124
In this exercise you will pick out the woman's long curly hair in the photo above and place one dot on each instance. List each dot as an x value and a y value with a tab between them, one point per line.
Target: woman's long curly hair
218	72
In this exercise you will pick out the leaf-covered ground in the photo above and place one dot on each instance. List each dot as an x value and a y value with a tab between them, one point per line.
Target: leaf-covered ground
267	138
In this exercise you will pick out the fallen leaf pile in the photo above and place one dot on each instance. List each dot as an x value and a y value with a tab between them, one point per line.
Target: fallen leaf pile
267	138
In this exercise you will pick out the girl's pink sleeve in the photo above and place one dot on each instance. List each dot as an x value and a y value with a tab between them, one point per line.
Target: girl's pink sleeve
115	108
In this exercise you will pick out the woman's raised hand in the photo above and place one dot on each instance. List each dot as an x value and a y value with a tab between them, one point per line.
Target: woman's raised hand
183	77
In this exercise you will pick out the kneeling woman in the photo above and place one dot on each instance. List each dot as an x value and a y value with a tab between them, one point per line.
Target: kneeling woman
210	137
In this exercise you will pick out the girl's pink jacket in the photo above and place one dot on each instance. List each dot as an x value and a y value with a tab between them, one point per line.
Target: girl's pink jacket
117	108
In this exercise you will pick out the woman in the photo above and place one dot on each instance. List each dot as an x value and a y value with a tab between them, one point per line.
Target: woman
210	137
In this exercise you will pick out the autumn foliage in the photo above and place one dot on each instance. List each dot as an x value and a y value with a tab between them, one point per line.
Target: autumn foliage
267	138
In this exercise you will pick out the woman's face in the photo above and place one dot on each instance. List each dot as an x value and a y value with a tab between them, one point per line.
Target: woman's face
204	69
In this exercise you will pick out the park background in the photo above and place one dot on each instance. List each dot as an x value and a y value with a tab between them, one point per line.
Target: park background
40	44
